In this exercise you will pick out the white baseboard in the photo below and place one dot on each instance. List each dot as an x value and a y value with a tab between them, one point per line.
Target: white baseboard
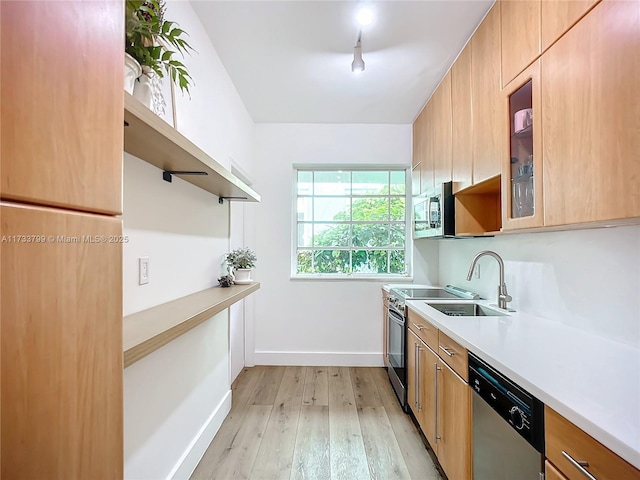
320	359
194	452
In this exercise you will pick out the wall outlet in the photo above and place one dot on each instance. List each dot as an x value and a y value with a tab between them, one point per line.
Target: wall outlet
143	270
476	271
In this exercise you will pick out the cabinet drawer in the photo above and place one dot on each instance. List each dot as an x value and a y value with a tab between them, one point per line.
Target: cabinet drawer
563	436
551	472
427	332
454	354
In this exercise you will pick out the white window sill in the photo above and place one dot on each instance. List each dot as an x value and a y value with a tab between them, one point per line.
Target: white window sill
352	278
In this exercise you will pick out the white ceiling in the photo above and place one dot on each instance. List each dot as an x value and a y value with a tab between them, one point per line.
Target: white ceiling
291	60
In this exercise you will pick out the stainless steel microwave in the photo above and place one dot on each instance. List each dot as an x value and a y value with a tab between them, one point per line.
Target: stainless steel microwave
434	213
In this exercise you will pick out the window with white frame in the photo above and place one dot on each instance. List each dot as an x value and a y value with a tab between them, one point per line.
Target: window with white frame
350	222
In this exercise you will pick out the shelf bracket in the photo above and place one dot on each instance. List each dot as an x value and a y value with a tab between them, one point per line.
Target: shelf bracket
166	175
222	199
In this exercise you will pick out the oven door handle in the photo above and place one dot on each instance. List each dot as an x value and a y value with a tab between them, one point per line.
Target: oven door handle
394	317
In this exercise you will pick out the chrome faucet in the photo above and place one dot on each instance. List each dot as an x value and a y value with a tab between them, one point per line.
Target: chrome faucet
503	296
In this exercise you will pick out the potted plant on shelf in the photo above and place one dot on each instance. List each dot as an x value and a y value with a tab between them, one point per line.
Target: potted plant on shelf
151	41
240	262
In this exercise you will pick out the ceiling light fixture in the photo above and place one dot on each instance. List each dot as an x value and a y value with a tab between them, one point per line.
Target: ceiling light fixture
357	66
364	16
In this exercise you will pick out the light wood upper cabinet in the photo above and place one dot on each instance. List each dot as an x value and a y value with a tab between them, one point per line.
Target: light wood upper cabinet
427	167
520	27
441	130
558	16
61	346
454	424
462	121
591	118
522	166
62	104
418	148
488	111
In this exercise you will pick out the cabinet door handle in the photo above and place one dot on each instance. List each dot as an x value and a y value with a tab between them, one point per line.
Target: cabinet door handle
446	350
420	327
435	413
416	358
581	466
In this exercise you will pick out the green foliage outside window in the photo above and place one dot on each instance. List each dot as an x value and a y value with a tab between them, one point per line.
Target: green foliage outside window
375	246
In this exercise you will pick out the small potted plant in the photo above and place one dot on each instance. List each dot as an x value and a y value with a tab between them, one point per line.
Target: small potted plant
240	262
152	41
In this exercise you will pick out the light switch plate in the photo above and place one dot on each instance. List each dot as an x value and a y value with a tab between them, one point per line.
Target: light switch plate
143	270
476	271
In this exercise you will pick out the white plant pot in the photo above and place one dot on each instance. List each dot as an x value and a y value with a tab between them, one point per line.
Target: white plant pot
148	90
242	275
132	70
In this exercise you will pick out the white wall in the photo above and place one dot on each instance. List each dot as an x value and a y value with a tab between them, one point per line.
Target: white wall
311	322
176	397
589	279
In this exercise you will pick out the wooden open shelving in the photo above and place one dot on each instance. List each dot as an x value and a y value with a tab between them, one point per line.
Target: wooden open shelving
151	139
478	209
146	331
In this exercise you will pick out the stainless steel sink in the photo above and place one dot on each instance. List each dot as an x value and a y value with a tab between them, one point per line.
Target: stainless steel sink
466	310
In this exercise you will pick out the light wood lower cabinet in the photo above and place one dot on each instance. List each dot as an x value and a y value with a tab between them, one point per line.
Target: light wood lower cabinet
441	402
61	345
551	472
569	448
421	385
453	427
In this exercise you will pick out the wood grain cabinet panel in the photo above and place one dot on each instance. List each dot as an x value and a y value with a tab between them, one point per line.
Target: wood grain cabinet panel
563	436
520	27
461	121
454	354
62	104
453	429
427	166
424	330
558	16
418	150
61	346
488	112
522	93
591	118
441	128
551	472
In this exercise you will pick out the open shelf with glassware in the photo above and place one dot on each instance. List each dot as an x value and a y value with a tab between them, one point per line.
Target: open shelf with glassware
151	139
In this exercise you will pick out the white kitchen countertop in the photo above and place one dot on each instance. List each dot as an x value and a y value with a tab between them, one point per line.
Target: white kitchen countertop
592	381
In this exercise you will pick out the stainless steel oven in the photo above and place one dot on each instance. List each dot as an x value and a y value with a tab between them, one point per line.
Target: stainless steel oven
397	357
397	328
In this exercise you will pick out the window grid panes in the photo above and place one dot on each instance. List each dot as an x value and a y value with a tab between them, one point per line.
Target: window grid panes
351	222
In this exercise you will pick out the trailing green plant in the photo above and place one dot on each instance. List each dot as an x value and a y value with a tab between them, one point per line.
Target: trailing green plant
241	258
154	41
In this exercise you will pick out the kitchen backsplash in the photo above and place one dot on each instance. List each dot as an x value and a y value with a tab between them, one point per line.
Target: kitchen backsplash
589	279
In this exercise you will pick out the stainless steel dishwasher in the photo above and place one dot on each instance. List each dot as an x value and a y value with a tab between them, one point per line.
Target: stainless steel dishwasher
508	427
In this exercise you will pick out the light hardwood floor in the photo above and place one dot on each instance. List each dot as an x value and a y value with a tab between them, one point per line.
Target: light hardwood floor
324	423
